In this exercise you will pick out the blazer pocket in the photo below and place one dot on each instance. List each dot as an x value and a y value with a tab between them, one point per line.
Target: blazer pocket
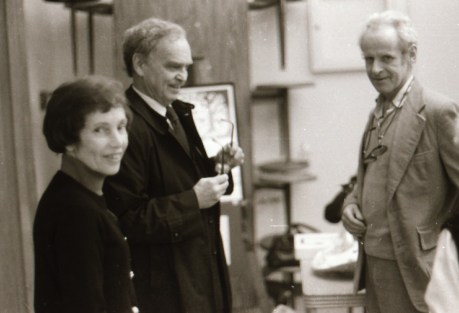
427	237
421	156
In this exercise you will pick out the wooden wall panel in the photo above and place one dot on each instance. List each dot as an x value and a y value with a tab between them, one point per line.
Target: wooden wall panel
17	186
185	13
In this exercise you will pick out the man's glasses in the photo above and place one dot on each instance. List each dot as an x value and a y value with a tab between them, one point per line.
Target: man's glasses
374	154
377	151
380	149
232	129
222	171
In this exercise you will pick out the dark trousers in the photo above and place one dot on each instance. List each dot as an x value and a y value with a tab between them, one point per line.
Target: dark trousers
385	289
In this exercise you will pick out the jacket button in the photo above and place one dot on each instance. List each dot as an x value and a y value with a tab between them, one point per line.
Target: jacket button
176	235
131	274
211	221
135	309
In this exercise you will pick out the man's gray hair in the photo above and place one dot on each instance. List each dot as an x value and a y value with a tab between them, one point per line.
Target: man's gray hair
399	21
144	37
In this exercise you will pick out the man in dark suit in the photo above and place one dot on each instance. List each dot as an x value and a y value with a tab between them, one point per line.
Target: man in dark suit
408	171
167	192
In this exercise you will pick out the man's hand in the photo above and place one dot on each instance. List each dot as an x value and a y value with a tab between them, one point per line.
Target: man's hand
353	220
231	157
208	190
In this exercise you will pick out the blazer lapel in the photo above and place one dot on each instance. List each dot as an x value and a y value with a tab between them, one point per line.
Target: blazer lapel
185	114
152	118
407	135
142	109
361	166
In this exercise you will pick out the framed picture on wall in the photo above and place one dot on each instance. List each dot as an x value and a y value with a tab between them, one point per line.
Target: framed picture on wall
334	29
215	117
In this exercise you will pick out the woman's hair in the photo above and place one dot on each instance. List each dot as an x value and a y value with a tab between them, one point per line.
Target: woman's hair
399	21
72	102
144	37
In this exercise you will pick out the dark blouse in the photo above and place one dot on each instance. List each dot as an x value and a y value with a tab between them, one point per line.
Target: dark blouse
82	261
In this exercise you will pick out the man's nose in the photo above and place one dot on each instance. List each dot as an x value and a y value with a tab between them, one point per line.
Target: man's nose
376	67
183	75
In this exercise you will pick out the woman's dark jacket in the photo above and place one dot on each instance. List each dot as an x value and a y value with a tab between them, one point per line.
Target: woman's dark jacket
82	261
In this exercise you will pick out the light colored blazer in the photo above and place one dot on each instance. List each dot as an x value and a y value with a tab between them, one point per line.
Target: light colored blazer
421	188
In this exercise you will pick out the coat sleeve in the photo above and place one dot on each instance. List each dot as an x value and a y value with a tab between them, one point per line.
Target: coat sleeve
447	125
147	219
79	261
353	196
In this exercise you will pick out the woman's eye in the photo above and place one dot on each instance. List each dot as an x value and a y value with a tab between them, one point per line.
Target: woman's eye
122	125
101	130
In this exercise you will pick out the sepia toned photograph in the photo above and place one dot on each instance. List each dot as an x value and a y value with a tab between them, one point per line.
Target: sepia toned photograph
243	156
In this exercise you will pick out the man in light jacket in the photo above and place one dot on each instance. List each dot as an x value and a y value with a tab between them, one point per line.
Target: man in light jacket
408	172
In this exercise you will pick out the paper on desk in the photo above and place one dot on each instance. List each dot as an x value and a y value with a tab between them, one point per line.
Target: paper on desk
340	257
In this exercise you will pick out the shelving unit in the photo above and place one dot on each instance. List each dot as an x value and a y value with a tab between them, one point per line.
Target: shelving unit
281	174
281	15
91	8
285	171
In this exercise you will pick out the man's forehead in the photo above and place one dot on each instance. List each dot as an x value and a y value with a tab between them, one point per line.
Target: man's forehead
381	42
173	49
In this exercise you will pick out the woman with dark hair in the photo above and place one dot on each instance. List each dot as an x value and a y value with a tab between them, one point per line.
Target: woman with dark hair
82	261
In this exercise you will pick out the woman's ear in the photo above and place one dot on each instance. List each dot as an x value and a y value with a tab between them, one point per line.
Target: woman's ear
70	149
137	64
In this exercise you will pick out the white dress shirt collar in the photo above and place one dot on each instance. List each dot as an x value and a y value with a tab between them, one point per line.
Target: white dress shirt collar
152	103
398	100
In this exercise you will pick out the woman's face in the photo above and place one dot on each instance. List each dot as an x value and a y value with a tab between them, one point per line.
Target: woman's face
103	141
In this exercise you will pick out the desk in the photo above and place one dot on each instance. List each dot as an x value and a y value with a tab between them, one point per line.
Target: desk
321	292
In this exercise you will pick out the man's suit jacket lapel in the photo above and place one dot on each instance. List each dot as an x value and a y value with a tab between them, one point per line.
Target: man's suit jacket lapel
142	109
185	114
407	135
152	118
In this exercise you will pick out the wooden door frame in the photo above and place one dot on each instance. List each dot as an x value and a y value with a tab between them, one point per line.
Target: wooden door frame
17	186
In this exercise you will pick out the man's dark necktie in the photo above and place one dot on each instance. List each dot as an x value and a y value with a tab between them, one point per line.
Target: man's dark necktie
176	129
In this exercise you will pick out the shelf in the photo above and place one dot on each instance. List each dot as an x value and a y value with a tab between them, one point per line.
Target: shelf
283	166
279	173
283	180
283	173
274	180
286	85
93	7
262	4
277	90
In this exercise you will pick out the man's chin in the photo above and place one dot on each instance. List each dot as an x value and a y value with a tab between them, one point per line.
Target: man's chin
381	88
173	95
